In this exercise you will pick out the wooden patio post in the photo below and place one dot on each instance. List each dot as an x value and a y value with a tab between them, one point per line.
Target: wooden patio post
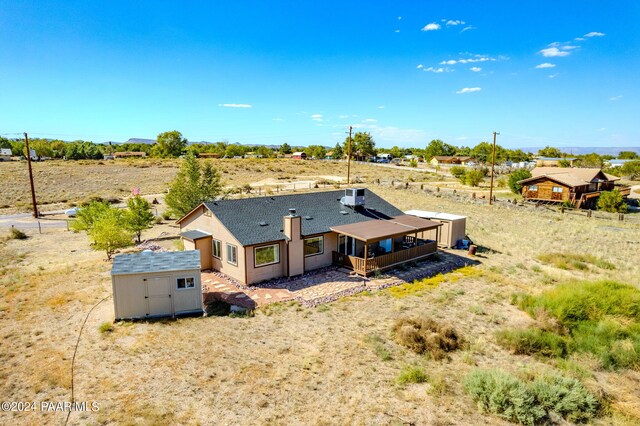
366	251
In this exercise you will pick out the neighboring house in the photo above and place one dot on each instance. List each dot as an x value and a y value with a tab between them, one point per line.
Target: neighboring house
208	155
579	186
129	154
299	155
553	161
440	160
156	284
618	163
257	239
5	154
252	155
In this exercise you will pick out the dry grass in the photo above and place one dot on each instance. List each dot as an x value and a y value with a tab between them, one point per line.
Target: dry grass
290	364
424	335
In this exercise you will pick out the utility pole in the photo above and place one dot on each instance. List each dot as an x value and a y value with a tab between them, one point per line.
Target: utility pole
33	189
493	163
349	158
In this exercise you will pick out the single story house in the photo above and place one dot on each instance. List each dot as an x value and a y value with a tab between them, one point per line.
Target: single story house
156	284
578	186
129	154
5	154
554	161
299	155
440	160
257	239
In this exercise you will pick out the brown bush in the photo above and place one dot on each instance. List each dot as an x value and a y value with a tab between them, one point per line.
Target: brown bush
423	335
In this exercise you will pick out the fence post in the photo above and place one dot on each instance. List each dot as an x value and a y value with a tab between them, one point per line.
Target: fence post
39	228
621	217
588	213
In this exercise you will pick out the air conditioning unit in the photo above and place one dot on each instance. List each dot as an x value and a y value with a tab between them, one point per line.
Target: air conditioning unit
353	197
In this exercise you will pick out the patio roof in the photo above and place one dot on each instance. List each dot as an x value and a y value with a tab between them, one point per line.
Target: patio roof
376	230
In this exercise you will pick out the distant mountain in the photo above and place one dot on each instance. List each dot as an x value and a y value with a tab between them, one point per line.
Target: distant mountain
573	150
141	140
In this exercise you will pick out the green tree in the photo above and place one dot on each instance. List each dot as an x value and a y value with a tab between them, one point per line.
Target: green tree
192	186
170	144
457	171
285	149
396	152
138	216
108	233
591	160
316	151
338	152
549	151
628	155
516	176
484	150
88	215
631	170
234	150
362	145
438	148
612	201
264	151
5	143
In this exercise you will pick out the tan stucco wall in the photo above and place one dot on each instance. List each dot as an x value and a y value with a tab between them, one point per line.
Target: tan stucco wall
292	229
129	293
267	272
204	245
198	220
324	259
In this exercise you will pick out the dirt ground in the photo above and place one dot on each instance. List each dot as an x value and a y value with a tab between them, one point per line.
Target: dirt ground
289	364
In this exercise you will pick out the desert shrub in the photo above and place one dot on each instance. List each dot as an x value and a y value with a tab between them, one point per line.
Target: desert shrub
530	341
516	400
16	234
601	318
571	261
474	177
105	327
166	216
423	335
411	375
612	201
457	171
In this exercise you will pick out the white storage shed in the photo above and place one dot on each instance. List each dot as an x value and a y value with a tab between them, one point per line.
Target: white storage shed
453	227
148	285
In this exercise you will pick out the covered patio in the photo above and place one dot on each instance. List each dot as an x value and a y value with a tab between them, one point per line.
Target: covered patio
377	245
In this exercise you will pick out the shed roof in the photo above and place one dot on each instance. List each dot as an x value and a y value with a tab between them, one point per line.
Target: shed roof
260	219
126	264
194	235
376	230
434	215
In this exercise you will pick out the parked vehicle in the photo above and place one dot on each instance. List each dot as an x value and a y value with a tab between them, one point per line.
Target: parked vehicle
72	212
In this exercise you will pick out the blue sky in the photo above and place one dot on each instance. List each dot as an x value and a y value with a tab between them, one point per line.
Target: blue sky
561	73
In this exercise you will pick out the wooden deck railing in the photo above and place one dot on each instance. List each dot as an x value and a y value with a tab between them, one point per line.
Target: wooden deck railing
368	266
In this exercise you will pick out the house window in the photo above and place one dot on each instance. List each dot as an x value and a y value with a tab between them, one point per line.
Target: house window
232	254
313	246
185	283
266	255
217	249
533	188
557	189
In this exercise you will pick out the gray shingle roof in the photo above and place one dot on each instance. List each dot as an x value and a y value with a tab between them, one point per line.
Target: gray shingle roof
194	235
319	211
124	264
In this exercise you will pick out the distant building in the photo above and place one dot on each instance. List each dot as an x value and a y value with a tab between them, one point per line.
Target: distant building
299	155
5	154
440	160
208	155
618	163
553	161
129	154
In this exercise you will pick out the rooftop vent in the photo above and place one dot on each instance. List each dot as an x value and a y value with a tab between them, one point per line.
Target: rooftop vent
344	212
353	197
292	212
308	218
263	223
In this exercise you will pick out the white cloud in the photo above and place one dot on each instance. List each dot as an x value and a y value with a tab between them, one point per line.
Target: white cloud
420	66
475	69
454	23
431	27
436	70
553	52
478	58
468	90
381	107
568	47
579	39
615	98
235	105
316	117
546	65
594	34
399	18
369	120
397	31
277	119
470	27
344	116
553	75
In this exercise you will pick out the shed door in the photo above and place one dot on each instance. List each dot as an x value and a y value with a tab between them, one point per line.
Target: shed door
159	296
445	233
